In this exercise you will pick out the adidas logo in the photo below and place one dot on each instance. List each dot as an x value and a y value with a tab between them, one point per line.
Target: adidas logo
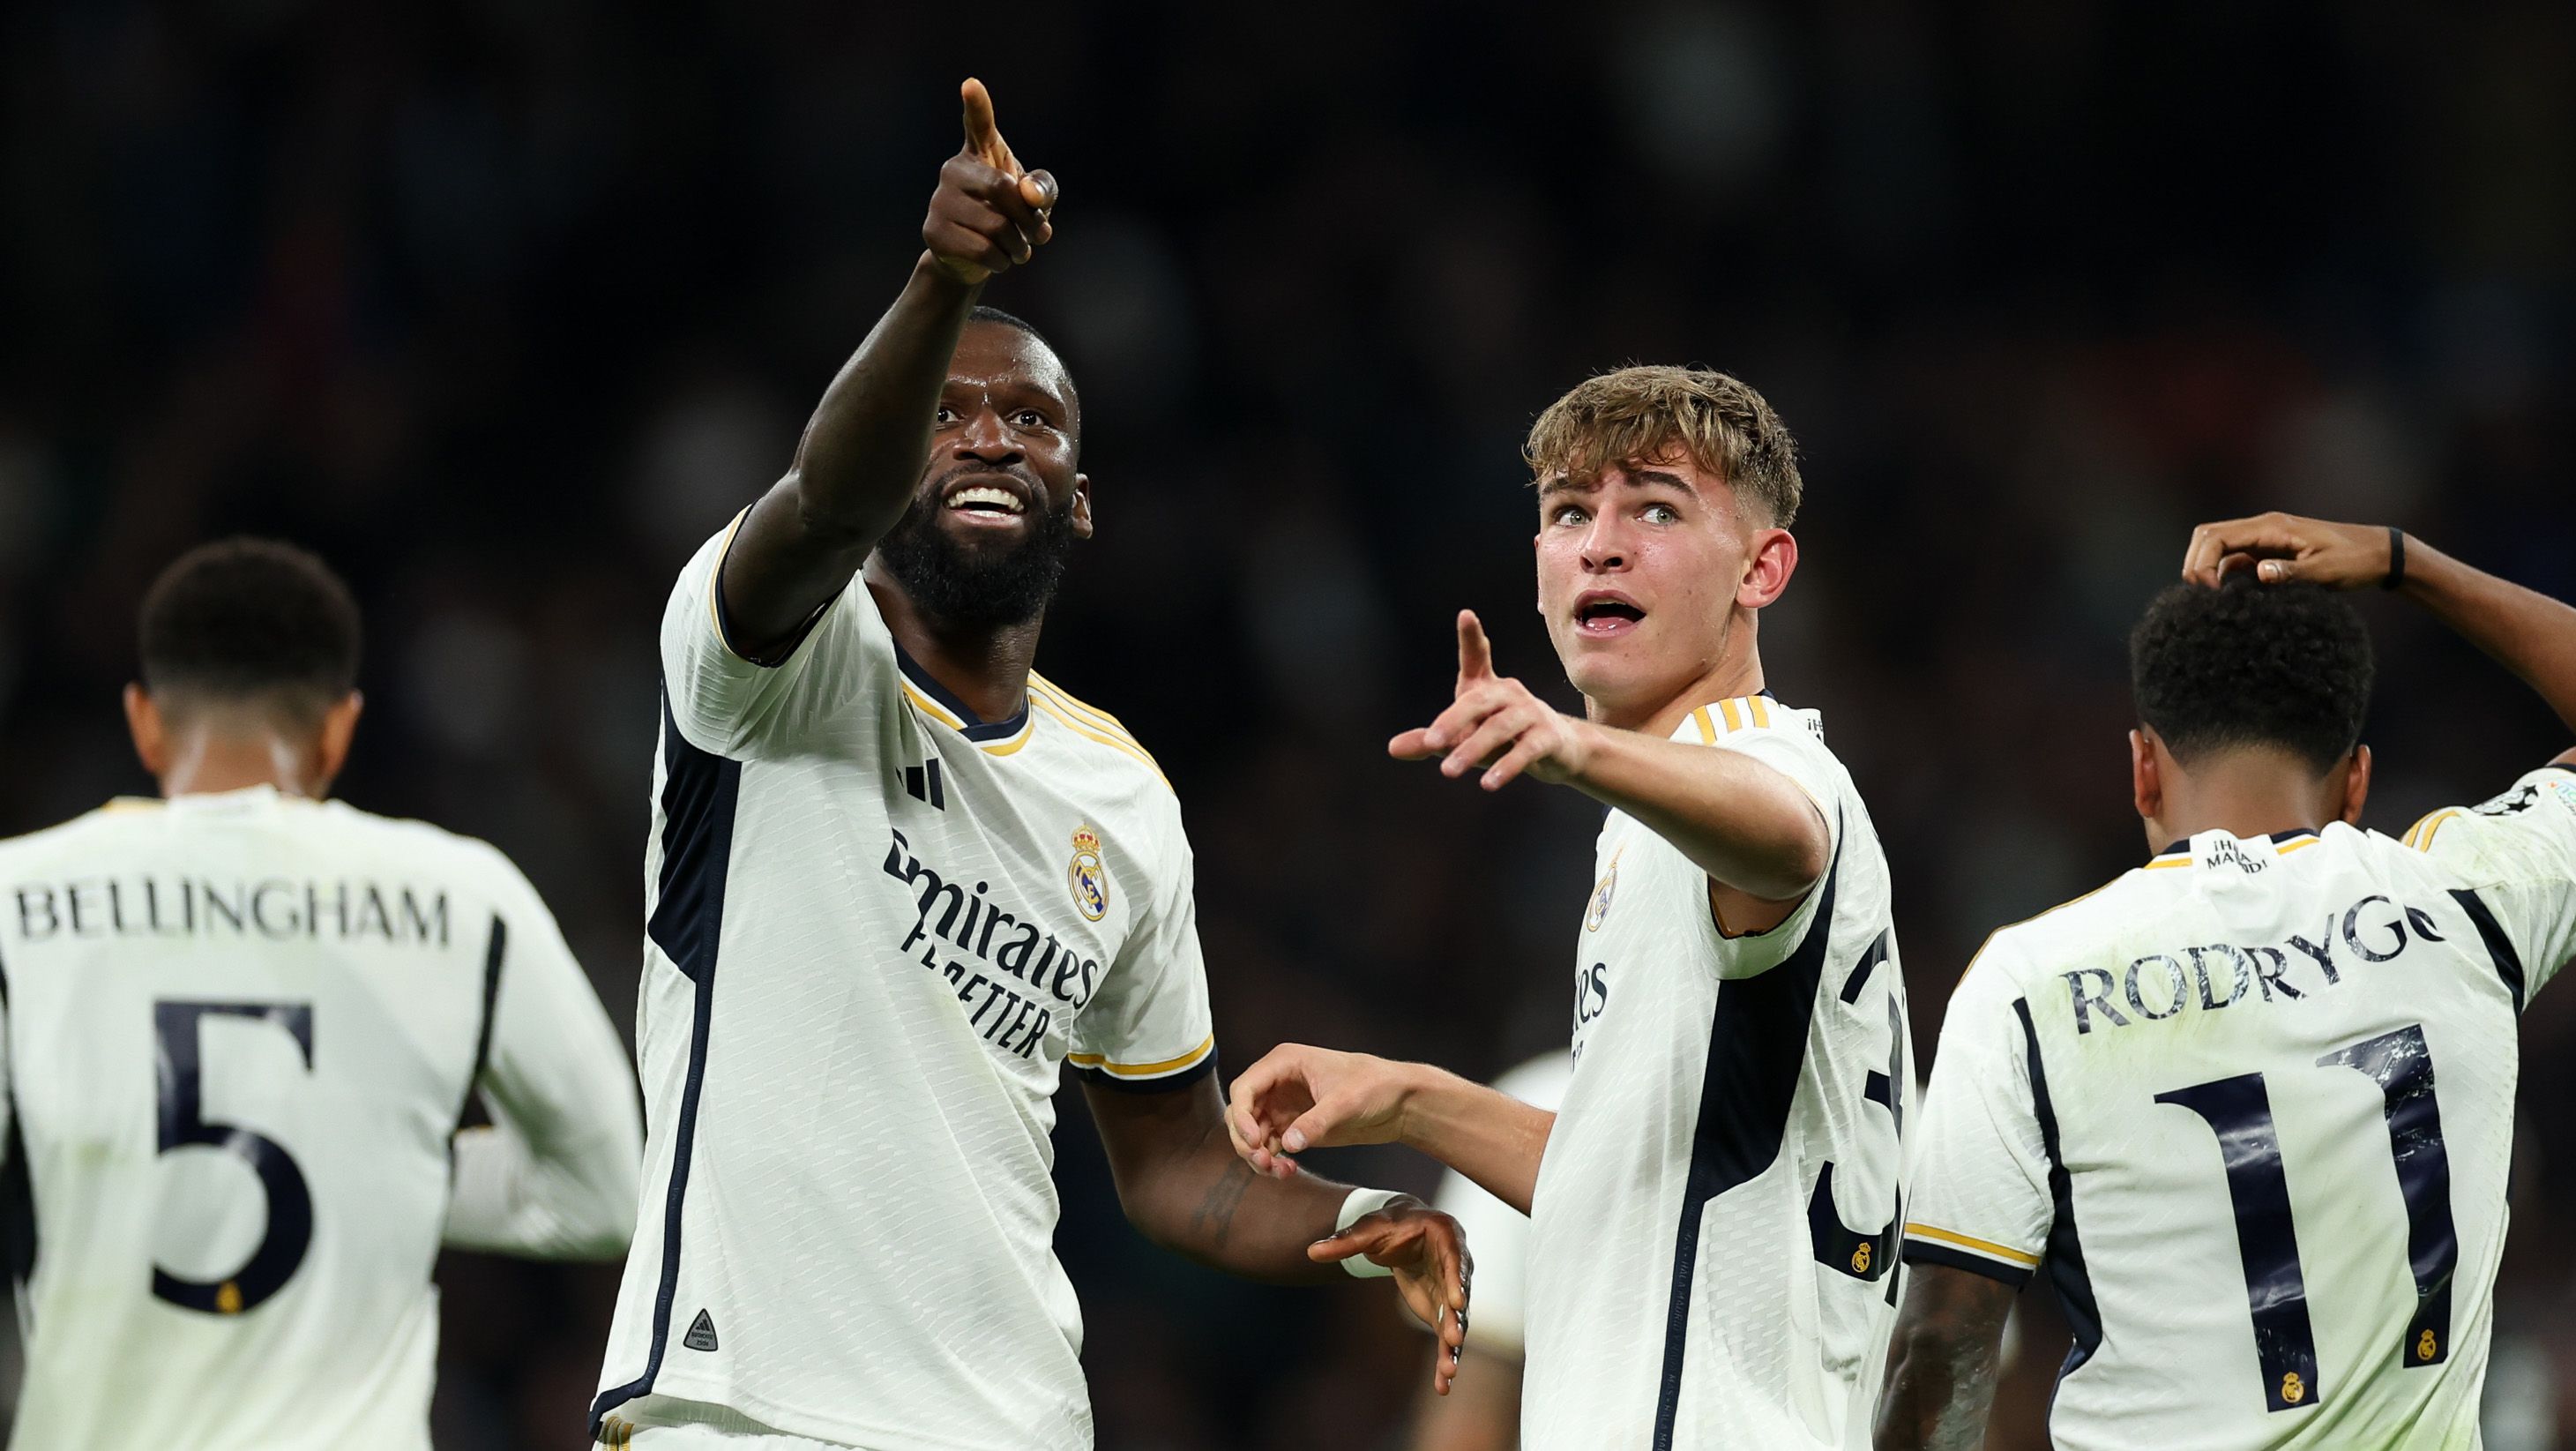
702	1333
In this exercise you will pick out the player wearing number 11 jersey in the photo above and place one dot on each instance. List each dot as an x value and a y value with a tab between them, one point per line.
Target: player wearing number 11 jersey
2249	1108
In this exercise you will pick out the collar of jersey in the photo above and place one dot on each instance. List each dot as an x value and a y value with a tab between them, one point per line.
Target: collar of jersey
954	713
2181	854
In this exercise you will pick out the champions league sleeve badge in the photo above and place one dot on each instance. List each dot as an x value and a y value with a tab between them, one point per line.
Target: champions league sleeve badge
1089	877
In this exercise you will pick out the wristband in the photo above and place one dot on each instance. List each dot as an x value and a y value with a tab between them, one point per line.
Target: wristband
2396	558
1358	1205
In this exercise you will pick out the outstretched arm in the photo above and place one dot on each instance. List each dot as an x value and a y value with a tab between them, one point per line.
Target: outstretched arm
1298	1098
2526	631
1942	1365
862	454
1762	840
1183	1187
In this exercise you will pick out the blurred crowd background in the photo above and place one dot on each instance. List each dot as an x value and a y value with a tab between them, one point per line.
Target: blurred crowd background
505	305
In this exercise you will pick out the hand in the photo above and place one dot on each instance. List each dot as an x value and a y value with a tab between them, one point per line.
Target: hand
2283	548
1298	1098
1433	1271
988	214
1495	722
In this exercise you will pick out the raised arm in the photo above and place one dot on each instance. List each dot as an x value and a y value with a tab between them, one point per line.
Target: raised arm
863	451
1184	1188
1761	839
2526	631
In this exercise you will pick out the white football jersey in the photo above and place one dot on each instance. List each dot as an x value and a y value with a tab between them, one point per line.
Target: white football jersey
2250	1109
1498	1234
1713	1233
241	1031
878	926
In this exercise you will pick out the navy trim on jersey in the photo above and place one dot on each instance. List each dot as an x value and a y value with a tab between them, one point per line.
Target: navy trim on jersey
788	647
492	955
1918	1252
2064	1253
977	728
1757	1044
17	1189
699	791
1168	1083
2508	963
2560	766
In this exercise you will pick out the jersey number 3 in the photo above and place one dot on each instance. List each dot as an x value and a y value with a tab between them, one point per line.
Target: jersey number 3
183	1125
2239	1111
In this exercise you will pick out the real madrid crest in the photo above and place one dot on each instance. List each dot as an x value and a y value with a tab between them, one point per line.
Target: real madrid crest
1601	898
1090	878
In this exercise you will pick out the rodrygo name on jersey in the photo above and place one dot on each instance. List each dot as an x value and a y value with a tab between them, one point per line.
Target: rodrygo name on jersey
2249	1108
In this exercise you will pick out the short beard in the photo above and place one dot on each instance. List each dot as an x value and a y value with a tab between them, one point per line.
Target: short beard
981	589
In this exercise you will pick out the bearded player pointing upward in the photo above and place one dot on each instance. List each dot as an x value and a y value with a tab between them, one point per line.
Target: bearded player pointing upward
898	880
1711	1222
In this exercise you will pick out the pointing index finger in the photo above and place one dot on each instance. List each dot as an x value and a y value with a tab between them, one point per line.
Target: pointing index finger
1475	655
983	138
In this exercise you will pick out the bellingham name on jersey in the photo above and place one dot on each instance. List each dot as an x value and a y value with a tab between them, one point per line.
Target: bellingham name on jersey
276	908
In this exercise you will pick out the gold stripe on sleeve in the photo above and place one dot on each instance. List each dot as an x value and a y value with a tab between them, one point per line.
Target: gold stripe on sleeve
1981	1246
1761	710
1707	727
1734	717
1142	1070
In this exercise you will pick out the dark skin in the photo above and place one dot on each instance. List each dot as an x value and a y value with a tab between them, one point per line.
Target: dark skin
930	406
1942	1365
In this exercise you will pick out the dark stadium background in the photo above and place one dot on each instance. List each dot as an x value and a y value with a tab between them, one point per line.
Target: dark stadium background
505	305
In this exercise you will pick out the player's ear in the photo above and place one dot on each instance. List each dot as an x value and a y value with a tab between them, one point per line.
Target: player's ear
2146	782
151	738
339	728
1082	506
2356	785
1769	561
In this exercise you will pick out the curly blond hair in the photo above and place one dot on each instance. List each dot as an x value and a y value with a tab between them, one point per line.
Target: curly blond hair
1664	414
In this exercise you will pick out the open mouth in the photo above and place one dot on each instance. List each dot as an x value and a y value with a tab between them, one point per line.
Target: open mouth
986	503
1606	614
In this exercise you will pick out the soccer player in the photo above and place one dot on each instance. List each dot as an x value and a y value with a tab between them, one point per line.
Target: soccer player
242	1024
2249	1108
1483	1412
1712	1212
898	881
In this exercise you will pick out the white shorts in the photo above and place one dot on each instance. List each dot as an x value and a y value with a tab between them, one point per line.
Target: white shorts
657	1423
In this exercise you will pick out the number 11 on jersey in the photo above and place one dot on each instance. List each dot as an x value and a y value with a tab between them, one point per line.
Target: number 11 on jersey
2239	1111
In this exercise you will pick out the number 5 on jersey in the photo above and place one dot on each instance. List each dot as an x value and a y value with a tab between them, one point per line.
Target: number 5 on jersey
181	1082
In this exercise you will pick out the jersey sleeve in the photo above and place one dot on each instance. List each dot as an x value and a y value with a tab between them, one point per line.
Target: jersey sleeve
1981	1199
2517	856
1797	756
555	1175
726	702
1148	1029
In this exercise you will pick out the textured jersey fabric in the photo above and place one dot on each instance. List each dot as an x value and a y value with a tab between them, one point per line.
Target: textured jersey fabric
2249	1109
1712	1236
877	928
241	1031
